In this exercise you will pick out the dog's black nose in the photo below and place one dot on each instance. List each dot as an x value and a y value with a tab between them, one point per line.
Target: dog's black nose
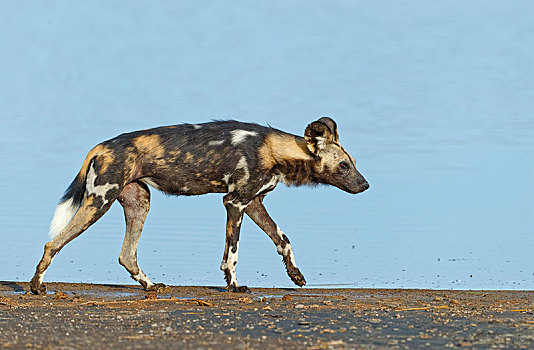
365	185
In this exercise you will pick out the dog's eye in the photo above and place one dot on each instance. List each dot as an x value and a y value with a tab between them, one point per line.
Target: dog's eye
344	165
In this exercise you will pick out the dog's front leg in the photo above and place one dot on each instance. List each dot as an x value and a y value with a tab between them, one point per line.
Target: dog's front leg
257	212
234	216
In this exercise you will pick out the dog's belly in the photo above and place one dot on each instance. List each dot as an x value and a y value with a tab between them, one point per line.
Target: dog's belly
186	186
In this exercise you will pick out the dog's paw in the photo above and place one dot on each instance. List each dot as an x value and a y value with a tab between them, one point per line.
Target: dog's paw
296	277
37	288
239	289
158	287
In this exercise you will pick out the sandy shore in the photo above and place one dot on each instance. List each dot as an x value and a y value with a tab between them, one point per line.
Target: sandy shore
86	316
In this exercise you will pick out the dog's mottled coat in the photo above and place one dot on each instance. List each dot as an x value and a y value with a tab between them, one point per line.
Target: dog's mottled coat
246	161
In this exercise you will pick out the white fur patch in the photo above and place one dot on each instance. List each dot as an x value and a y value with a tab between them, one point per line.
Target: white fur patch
142	277
150	182
230	264
232	257
242	181
280	234
226	179
239	136
242	164
287	251
269	185
197	126
97	190
321	142
216	143
281	178
231	188
62	216
238	205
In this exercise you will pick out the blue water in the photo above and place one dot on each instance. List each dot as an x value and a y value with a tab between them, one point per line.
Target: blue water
435	100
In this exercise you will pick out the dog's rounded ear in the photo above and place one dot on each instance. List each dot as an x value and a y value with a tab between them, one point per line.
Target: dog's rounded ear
331	125
320	133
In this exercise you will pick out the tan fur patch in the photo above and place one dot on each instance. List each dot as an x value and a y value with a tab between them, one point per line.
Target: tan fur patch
188	157
84	215
214	158
281	147
173	156
88	200
332	155
105	157
149	144
131	170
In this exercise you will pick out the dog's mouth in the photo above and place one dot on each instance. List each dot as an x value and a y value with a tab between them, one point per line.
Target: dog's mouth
357	189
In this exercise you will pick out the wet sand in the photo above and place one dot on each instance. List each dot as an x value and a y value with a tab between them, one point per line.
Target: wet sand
77	316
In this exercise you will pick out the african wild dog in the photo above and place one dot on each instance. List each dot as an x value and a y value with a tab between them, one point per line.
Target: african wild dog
245	161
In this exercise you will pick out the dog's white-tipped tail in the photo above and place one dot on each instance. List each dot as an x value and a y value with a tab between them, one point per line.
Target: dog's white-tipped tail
72	199
63	215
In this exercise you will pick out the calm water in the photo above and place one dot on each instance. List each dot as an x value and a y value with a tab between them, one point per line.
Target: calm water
435	101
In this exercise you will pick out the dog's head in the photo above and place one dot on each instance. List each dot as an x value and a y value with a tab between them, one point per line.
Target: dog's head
333	165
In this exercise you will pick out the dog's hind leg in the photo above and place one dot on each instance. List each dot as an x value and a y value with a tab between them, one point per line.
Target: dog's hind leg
135	200
91	209
257	212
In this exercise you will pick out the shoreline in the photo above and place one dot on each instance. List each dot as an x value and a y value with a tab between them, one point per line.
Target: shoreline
76	316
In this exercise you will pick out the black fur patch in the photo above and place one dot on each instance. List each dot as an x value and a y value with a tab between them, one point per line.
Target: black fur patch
76	189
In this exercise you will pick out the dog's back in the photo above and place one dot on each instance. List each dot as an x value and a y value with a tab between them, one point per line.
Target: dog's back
187	159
